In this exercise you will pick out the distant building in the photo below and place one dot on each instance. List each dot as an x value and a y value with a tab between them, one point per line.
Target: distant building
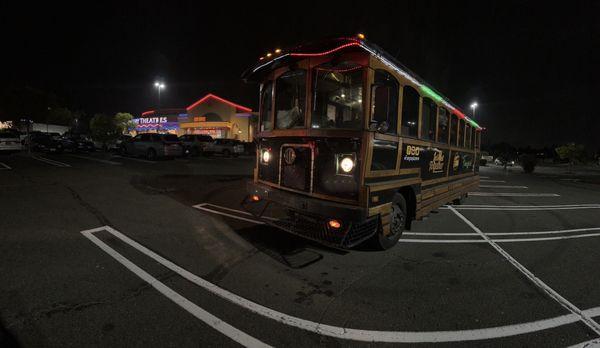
212	115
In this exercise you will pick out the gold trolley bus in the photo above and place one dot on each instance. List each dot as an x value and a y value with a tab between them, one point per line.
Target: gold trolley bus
352	146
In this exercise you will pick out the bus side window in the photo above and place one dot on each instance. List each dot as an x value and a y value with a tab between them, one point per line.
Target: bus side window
429	113
453	128
410	112
461	133
384	103
442	126
266	106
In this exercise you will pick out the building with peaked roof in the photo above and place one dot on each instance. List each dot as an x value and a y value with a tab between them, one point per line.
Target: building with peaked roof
211	114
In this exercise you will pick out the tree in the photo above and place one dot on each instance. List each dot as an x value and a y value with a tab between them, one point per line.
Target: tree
103	128
61	116
573	152
124	122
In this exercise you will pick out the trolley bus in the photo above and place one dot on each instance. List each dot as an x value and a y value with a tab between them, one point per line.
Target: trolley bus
352	146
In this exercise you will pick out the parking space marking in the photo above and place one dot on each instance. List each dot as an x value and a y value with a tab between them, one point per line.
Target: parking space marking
336	331
206	317
484	177
134	159
513	194
202	206
211	208
97	160
4	166
495	181
49	161
585	318
498	240
503	233
503	186
595	343
228	209
524	207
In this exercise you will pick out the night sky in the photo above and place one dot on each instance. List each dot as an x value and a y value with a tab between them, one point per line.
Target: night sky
532	66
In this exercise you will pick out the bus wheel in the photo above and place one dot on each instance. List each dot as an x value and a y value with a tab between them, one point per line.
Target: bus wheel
397	224
459	200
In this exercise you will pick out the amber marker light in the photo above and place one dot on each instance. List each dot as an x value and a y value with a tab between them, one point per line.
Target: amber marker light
361	36
334	224
255	198
277	51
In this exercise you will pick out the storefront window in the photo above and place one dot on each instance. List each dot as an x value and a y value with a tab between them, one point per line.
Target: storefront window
290	99
266	107
337	96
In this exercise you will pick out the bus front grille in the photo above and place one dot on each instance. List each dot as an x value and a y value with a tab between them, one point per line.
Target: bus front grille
296	167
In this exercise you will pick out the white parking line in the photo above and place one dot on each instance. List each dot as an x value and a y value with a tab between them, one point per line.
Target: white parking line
484	177
502	233
595	343
586	319
512	194
494	181
336	331
97	160
209	319
199	206
202	206
524	207
134	159
49	161
503	186
496	240
4	166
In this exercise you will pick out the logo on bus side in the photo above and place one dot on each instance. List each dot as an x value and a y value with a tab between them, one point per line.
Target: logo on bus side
412	153
289	156
436	165
456	162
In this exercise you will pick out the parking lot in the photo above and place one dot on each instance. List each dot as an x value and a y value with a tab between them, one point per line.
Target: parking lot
103	250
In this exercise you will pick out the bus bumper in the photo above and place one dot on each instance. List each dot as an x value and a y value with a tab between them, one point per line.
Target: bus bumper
310	217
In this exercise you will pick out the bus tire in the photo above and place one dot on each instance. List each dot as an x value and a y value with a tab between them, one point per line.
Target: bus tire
398	220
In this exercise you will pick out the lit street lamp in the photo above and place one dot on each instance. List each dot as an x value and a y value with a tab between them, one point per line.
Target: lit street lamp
474	106
159	86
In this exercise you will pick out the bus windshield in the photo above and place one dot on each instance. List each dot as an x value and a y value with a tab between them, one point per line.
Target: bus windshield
338	96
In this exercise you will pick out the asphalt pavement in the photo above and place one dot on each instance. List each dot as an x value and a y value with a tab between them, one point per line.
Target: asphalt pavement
103	250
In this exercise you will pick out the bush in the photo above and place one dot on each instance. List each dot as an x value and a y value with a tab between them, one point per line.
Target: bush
528	162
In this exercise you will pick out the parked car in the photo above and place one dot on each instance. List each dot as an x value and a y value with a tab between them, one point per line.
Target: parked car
10	141
76	143
194	144
500	161
115	145
153	146
45	143
225	147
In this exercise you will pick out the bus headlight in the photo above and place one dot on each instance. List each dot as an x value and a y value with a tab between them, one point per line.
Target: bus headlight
345	164
265	156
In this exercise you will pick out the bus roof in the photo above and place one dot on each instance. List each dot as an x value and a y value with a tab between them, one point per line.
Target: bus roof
327	47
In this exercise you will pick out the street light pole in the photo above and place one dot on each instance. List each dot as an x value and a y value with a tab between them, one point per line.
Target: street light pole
474	107
159	86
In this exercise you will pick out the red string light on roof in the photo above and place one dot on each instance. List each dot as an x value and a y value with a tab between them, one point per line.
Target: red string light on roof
148	112
326	52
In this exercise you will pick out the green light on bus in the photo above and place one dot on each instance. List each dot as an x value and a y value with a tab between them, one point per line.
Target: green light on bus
431	93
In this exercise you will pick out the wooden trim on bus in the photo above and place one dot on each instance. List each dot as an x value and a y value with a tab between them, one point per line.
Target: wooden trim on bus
387	185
